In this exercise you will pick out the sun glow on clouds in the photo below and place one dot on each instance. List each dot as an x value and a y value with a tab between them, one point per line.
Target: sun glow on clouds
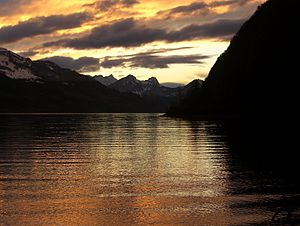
194	31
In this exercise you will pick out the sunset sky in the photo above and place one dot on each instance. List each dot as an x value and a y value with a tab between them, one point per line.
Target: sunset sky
175	41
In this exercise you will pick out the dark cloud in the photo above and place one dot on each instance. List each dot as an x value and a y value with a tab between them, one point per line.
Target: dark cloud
8	7
29	53
130	2
149	59
125	33
83	64
116	61
201	7
157	51
152	61
229	3
41	25
221	29
110	63
129	33
105	5
189	8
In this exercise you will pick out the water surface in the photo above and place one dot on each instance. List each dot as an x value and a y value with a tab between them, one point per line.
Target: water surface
129	169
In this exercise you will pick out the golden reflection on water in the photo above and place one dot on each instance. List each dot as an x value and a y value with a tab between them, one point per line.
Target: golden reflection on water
105	169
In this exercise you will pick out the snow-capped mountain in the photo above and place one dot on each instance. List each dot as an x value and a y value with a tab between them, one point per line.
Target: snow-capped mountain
43	86
129	84
150	90
155	93
14	66
150	87
105	80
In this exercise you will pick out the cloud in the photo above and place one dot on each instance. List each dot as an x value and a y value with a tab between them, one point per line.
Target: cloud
29	53
149	59
130	33
157	51
8	7
200	8
189	8
105	5
110	63
40	26
124	33
152	61
220	29
83	64
230	3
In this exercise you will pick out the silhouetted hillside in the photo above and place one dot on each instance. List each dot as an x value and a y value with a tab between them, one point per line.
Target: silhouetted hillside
257	76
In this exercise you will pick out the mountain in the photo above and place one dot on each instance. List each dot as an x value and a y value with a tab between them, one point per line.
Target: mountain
150	90
253	90
105	80
185	92
43	86
131	84
16	67
257	76
192	87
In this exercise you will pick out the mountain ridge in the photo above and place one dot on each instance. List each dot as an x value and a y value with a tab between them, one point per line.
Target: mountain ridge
105	80
44	86
254	77
152	91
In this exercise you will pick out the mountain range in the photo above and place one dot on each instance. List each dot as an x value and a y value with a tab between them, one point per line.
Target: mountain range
43	86
158	95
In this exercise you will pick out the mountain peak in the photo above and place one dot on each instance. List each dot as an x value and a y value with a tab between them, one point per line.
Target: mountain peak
14	66
130	77
196	82
153	81
105	80
3	50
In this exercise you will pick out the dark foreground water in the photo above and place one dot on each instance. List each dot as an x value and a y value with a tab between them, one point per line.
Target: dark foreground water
134	169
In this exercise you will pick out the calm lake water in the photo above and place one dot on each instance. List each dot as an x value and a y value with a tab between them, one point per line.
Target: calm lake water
131	169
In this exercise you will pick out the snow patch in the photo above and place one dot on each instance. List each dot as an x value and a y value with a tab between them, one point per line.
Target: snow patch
50	67
4	62
20	74
14	72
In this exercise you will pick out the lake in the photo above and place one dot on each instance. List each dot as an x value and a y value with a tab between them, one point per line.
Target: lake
133	169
